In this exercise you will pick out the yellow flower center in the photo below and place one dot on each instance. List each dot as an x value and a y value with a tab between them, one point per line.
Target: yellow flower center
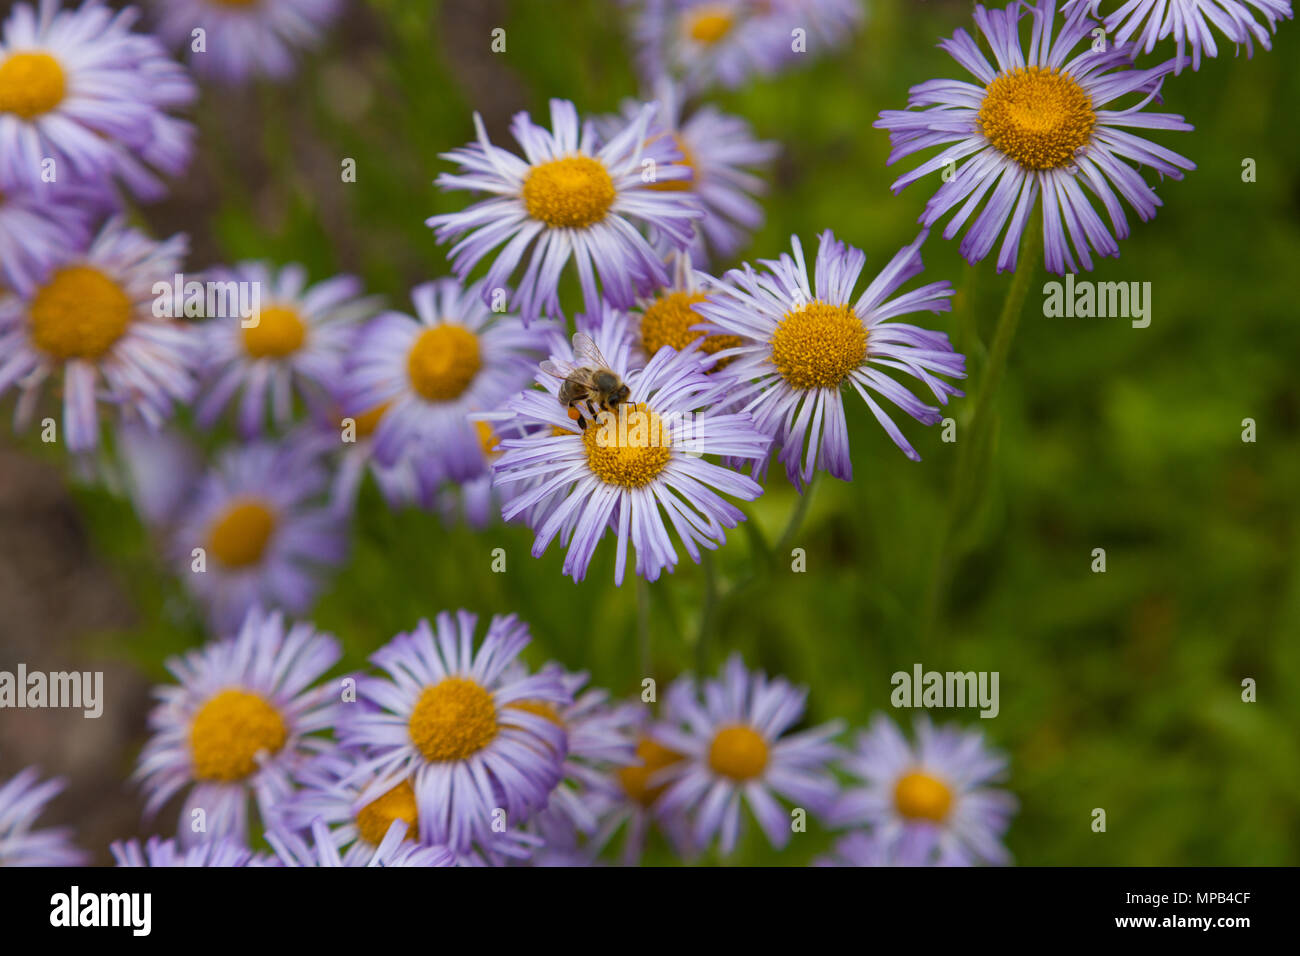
31	84
687	160
738	752
668	321
919	796
570	193
279	331
1038	117
629	449
239	537
487	439
635	780
228	733
819	345
443	361
453	720
709	24
79	313
367	422
378	815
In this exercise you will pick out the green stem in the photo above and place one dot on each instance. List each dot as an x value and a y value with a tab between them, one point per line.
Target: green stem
972	452
707	610
643	626
796	519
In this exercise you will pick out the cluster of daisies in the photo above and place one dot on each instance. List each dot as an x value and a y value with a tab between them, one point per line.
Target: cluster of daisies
453	752
462	403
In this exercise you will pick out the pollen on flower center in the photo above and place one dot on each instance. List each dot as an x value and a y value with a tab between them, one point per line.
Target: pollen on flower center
443	361
669	321
239	537
629	449
31	84
919	796
738	752
569	193
1039	117
654	757
709	25
279	332
819	345
453	720
79	313
228	733
374	819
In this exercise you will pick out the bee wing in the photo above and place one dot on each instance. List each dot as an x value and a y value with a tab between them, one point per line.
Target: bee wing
586	353
561	370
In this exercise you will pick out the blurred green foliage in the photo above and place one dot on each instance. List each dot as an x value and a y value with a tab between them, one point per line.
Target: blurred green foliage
1119	690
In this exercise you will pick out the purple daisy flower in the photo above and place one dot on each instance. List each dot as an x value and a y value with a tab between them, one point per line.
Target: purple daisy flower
447	720
245	39
79	88
222	852
568	198
429	373
721	153
22	799
1189	22
627	472
90	317
935	790
1036	124
241	720
735	748
706	43
294	344
266	531
806	340
293	850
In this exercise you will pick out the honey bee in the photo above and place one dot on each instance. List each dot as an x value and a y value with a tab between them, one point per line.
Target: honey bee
588	384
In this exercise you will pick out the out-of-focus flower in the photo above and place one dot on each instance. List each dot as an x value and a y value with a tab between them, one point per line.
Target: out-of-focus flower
266	528
79	90
90	318
245	39
935	790
424	376
732	735
242	719
443	720
294	344
569	198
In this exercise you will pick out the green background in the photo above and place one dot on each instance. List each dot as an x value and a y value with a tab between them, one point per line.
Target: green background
1118	690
